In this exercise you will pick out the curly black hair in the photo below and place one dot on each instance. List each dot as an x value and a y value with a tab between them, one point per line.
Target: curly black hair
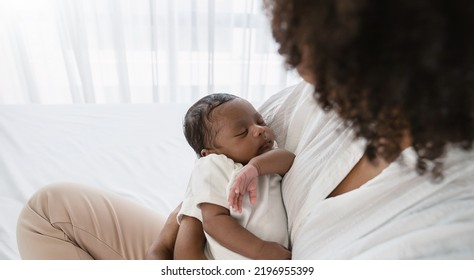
196	124
387	67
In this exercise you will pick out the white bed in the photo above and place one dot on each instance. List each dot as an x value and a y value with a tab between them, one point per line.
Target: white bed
139	151
135	150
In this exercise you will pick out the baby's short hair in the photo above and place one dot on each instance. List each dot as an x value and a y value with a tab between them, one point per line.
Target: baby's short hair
196	126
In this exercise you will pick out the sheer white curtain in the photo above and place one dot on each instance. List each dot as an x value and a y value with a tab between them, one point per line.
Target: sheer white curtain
136	51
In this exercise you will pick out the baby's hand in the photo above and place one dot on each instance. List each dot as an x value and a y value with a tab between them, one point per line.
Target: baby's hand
245	181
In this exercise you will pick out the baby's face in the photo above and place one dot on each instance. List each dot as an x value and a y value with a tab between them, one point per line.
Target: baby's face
240	131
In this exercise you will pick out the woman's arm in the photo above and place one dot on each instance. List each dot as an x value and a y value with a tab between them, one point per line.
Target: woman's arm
218	223
185	241
162	248
190	241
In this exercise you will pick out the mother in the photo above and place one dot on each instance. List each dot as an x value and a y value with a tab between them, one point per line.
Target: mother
401	75
396	74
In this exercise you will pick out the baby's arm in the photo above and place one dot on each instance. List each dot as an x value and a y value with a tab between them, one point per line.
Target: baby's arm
190	241
277	161
218	223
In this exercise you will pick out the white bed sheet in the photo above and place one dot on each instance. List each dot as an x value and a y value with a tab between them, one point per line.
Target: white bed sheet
138	151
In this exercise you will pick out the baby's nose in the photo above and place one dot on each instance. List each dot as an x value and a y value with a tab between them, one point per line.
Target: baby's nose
259	130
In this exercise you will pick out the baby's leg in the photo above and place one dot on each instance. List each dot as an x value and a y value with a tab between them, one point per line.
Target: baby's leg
71	221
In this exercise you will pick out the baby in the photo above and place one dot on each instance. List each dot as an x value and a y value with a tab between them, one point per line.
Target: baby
236	151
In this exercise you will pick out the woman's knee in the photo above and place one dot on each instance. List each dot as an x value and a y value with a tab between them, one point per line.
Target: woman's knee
54	202
52	194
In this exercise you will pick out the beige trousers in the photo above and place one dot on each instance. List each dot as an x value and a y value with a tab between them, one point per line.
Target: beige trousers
70	221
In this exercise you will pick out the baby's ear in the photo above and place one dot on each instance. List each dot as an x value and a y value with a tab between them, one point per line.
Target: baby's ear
205	152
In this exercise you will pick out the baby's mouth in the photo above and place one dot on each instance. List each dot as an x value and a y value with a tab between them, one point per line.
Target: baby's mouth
267	145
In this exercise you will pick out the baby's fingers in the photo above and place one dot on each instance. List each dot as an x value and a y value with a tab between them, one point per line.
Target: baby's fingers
252	190
234	192
240	200
236	203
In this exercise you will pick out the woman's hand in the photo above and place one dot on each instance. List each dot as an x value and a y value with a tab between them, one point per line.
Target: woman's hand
273	251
